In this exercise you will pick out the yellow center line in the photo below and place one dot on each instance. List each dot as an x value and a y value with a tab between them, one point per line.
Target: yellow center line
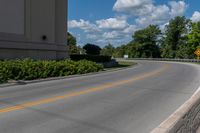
78	93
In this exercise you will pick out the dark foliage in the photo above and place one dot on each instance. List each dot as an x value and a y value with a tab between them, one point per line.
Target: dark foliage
94	58
92	49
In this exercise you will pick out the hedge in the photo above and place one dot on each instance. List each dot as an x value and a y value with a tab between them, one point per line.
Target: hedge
94	58
29	69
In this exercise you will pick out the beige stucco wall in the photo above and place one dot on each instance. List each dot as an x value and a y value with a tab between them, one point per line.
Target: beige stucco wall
41	18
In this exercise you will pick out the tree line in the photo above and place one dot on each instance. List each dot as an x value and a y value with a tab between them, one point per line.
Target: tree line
179	39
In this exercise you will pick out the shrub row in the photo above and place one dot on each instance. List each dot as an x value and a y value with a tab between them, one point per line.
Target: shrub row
29	69
94	58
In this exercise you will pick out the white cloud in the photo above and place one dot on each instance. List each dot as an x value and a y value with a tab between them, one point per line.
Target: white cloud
146	12
78	24
110	30
136	7
84	25
159	15
111	35
101	41
196	16
130	29
124	4
112	23
91	36
116	42
177	8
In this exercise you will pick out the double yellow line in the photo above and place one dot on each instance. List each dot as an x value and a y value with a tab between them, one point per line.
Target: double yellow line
78	93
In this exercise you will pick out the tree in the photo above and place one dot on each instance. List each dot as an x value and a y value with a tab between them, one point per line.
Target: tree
174	39
133	49
194	39
145	42
92	49
120	51
71	41
108	50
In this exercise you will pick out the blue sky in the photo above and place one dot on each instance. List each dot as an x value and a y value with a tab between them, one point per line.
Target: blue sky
114	21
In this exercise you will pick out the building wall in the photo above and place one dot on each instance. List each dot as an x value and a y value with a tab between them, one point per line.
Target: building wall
42	20
43	34
12	22
61	23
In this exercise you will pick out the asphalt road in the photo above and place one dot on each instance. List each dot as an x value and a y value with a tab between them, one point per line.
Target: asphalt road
134	100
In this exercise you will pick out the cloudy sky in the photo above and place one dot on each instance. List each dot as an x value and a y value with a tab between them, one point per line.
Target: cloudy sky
114	21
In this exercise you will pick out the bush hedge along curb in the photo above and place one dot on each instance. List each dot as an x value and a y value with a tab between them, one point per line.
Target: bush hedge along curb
30	69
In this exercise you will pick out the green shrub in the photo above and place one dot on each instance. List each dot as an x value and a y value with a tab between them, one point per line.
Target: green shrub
29	69
94	58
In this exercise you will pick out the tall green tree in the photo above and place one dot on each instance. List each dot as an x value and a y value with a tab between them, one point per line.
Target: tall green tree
71	42
174	39
108	50
145	42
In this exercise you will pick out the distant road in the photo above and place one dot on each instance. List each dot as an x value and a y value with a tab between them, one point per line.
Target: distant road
133	100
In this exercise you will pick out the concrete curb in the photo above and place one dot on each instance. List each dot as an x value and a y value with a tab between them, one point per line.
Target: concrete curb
22	82
186	119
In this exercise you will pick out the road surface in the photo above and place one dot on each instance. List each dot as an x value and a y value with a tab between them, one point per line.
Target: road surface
133	100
